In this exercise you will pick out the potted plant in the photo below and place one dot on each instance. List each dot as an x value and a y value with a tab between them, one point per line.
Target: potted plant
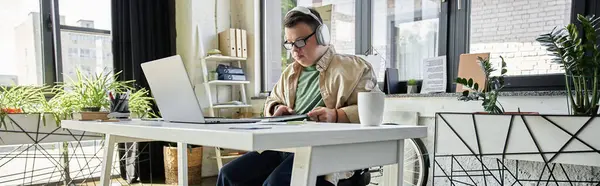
20	108
489	92
26	113
580	58
411	86
92	93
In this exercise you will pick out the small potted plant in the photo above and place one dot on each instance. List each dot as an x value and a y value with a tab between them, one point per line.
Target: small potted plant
411	86
92	93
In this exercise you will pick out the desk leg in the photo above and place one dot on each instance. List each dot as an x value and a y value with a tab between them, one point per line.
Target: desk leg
107	161
302	171
400	167
182	166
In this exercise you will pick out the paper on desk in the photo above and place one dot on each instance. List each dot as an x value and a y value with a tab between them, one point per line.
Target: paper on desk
249	128
282	123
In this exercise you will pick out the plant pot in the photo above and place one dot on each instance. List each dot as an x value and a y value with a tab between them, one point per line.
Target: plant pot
21	128
90	116
90	109
411	89
194	165
518	137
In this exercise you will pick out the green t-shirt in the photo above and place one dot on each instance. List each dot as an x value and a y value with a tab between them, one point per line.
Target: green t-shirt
308	94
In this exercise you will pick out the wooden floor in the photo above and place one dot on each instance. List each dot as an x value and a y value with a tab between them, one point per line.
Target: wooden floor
210	181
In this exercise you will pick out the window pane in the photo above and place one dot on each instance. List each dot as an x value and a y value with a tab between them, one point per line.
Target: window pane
20	43
405	32
509	28
340	24
88	46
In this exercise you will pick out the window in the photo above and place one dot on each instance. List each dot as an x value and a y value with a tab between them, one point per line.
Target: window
339	15
90	23
509	29
28	47
20	46
84	53
404	33
73	52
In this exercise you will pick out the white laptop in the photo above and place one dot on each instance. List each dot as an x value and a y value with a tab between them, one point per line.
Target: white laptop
174	94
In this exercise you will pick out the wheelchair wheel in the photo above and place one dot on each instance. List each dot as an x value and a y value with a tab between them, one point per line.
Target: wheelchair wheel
416	163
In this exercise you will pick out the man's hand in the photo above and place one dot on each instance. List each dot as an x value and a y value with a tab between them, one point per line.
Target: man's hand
322	114
283	110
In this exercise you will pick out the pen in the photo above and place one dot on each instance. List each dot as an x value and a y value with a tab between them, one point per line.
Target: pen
111	96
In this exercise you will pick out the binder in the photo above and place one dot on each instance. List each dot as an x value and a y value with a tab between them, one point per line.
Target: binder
232	77
227	43
225	69
244	44
238	42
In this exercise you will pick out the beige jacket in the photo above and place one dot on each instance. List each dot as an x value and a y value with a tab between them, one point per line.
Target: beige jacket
341	78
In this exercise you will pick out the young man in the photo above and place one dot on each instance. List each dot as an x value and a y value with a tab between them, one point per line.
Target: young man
319	83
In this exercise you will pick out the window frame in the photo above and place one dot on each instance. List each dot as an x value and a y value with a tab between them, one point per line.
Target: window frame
47	37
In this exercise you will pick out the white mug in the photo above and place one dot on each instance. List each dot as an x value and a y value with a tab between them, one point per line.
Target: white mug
370	108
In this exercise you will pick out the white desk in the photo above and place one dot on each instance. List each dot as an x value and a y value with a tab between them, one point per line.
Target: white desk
319	148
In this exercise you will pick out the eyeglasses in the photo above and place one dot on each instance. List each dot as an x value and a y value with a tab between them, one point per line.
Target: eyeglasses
300	43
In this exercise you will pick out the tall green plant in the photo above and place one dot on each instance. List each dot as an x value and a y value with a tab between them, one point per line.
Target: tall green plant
580	58
489	93
92	91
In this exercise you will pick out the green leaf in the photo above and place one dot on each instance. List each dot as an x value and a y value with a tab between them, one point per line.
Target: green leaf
470	83
458	80
504	71
476	87
465	93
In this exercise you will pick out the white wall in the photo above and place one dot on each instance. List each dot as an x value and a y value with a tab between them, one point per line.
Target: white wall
229	14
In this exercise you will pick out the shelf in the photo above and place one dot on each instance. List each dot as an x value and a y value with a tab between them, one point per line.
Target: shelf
226	82
224	58
231	106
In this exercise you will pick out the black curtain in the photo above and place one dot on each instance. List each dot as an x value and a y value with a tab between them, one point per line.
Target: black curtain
142	30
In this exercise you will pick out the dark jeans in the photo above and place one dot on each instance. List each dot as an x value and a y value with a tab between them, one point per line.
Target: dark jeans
269	168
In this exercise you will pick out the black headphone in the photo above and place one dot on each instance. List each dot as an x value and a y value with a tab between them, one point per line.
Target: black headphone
322	32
